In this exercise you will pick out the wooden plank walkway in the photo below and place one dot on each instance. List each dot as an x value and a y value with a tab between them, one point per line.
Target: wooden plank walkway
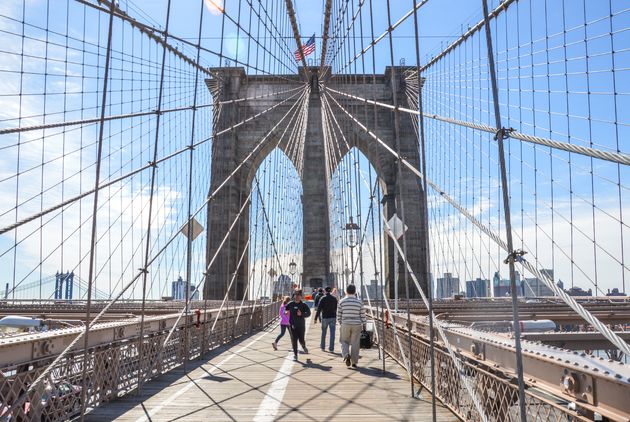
249	381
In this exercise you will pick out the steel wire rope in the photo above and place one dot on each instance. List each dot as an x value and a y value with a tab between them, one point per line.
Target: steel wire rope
615	157
389	30
63	353
211	262
147	166
456	361
579	309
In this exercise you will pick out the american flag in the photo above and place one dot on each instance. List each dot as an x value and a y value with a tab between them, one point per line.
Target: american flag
307	48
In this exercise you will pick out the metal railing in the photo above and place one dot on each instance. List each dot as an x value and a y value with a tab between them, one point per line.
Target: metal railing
498	392
118	363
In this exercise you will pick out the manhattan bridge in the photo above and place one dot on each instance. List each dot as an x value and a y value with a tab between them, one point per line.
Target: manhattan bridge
171	170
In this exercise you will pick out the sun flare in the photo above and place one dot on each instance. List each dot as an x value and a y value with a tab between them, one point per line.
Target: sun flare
214	6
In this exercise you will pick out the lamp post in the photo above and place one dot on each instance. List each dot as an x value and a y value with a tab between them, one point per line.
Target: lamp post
272	274
347	273
353	231
292	271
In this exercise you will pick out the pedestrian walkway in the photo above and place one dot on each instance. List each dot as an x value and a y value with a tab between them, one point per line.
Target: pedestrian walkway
249	381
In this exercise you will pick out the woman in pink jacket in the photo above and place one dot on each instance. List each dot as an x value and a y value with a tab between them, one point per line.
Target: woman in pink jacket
284	321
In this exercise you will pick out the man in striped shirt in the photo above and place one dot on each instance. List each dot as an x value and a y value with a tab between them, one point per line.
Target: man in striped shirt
351	317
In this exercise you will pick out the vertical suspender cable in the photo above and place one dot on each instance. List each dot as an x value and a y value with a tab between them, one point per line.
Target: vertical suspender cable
151	196
378	197
190	177
399	185
97	178
372	194
425	211
501	133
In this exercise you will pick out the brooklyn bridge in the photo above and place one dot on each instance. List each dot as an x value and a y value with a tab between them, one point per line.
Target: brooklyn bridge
173	173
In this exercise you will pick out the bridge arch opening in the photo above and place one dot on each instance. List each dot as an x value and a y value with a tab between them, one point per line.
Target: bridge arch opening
275	225
356	190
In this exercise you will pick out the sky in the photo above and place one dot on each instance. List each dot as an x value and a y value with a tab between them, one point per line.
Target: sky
568	211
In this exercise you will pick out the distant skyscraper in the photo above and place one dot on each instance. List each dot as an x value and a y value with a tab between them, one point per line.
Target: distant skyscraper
578	291
534	287
179	290
370	290
615	292
447	286
282	286
548	272
478	288
502	287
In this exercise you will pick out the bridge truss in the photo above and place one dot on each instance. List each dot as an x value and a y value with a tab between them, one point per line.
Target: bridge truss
113	112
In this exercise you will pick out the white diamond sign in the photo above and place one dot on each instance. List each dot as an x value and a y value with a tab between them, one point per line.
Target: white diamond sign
197	229
396	226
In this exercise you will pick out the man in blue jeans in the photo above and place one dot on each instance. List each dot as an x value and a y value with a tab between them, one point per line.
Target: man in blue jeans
327	314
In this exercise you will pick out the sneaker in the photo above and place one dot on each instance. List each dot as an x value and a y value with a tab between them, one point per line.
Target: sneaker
347	360
305	349
295	357
354	365
275	346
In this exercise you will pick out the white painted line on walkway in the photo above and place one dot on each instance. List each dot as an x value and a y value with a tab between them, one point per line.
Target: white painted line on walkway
270	405
191	383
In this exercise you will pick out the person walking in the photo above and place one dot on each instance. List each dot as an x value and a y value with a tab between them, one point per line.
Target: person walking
335	293
351	317
327	314
284	322
298	312
316	299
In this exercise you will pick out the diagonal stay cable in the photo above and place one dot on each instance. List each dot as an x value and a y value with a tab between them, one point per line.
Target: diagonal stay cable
329	116
456	361
503	5
216	254
145	29
44	374
346	36
296	34
383	35
158	35
579	309
93	120
327	8
299	135
615	157
212	260
141	169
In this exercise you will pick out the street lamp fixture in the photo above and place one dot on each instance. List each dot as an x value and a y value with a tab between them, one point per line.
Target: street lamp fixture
353	234
292	268
353	231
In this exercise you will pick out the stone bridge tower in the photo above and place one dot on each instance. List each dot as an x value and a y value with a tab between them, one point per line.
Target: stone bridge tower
234	146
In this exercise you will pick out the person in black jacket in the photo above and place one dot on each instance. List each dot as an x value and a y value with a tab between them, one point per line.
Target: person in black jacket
327	314
316	299
298	312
